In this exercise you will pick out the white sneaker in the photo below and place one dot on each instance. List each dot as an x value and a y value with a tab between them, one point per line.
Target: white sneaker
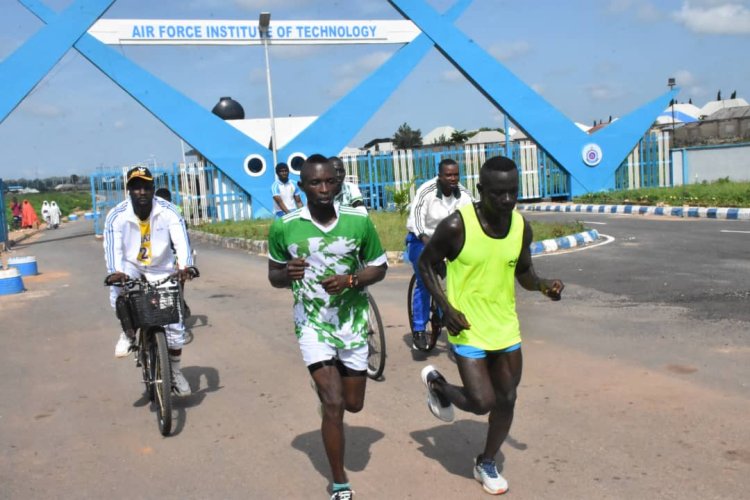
180	384
486	473
122	348
438	405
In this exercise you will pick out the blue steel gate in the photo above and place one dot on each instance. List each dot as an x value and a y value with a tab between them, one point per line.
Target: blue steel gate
380	173
4	228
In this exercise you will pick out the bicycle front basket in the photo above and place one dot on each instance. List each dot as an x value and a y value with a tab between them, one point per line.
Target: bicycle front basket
157	307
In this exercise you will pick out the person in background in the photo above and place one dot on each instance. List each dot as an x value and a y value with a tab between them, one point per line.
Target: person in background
54	215
349	194
434	201
29	218
16	212
286	194
45	213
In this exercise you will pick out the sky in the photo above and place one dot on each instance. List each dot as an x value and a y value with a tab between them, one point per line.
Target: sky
589	59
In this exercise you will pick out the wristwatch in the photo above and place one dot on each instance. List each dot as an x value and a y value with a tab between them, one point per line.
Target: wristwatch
353	281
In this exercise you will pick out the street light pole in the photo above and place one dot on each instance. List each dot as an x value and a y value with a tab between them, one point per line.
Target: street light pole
264	24
671	82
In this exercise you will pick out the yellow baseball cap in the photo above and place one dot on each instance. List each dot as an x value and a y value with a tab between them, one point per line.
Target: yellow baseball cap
139	173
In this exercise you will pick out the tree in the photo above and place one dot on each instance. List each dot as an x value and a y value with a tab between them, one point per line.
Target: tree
440	140
74	179
407	138
459	136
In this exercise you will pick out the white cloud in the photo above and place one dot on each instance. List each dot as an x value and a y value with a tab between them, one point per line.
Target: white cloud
511	50
257	75
452	75
684	78
603	92
642	10
120	124
290	52
349	75
41	110
715	18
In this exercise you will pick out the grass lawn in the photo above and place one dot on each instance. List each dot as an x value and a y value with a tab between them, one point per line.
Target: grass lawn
391	227
68	201
720	193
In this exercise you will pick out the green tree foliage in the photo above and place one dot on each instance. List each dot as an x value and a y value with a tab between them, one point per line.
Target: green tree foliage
459	136
402	196
407	138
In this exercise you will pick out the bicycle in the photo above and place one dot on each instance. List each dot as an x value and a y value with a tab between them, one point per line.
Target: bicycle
375	341
143	310
435	319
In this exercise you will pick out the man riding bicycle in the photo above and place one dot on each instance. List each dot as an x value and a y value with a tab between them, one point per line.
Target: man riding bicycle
138	237
435	200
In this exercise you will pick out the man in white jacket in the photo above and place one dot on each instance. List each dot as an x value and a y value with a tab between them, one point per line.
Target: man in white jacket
138	238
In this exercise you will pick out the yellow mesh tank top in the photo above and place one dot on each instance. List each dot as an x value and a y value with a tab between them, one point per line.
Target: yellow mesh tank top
481	284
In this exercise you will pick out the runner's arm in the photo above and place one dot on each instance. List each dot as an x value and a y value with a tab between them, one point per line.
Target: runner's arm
526	275
445	243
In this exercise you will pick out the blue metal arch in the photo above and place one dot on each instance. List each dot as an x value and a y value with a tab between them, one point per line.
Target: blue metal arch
227	148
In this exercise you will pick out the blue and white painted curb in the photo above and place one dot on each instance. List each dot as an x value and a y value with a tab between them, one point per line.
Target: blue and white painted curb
564	242
723	213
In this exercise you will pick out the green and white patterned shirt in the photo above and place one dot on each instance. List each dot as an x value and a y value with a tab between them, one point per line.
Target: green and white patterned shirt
342	248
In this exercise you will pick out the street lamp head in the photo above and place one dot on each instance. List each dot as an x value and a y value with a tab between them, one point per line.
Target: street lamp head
264	22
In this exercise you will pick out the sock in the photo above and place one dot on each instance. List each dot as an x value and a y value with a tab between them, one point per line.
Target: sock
340	486
175	362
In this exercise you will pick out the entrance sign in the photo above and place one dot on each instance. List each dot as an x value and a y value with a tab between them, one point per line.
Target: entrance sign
195	32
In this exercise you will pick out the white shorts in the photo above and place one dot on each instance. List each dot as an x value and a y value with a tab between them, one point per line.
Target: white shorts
315	351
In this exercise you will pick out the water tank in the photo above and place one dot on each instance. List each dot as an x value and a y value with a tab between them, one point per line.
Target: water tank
229	109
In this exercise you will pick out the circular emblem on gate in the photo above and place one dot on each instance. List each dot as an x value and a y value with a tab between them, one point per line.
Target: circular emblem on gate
592	154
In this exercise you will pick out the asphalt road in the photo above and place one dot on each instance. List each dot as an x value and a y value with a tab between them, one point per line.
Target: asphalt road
632	388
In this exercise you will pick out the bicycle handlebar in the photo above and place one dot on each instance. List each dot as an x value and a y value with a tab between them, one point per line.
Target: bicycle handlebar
132	282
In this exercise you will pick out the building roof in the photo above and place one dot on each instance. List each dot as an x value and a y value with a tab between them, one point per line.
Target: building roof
683	113
435	134
712	107
486	137
259	129
729	113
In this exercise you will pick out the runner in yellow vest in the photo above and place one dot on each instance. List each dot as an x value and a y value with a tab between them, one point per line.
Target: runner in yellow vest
486	245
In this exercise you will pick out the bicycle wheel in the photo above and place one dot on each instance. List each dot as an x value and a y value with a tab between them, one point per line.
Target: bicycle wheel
146	364
375	341
161	379
435	319
436	325
410	300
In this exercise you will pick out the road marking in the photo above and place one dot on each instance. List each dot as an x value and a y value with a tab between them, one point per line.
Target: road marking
730	231
607	240
592	222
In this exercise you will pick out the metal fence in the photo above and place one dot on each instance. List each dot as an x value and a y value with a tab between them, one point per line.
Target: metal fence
648	165
207	195
379	175
4	221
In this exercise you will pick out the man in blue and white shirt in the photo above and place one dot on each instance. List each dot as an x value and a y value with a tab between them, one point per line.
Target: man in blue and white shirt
435	200
286	194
